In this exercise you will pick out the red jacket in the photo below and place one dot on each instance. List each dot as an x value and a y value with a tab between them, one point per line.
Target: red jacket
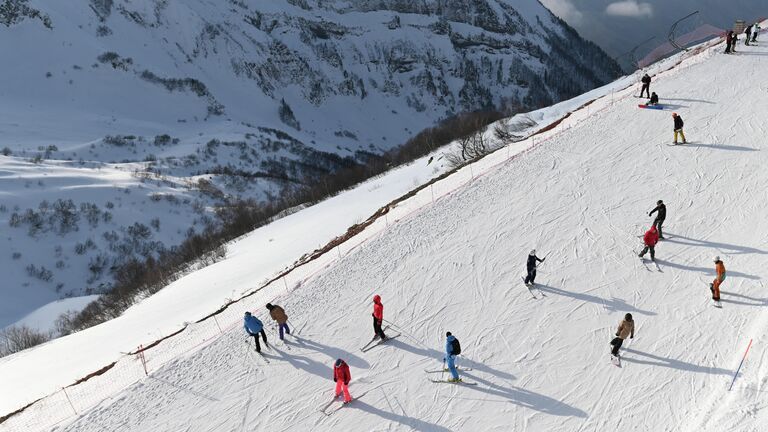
341	372
378	308
651	237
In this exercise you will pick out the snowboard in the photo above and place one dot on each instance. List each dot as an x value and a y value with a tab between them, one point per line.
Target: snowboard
654	107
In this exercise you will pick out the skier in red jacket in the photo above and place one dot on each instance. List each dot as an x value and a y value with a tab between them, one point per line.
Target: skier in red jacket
650	239
341	377
378	317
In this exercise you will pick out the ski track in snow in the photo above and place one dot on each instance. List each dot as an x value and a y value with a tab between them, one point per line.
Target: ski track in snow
540	365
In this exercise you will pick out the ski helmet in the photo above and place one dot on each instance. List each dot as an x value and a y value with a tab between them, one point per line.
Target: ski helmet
533	252
659	202
269	306
447	334
377	298
717	258
247	314
628	317
339	362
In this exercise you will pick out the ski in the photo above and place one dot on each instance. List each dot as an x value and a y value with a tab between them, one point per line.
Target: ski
462	369
717	304
335	409
370	347
460	382
266	360
616	360
529	289
374	339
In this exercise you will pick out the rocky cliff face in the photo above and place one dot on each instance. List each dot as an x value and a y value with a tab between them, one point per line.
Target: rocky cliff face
235	98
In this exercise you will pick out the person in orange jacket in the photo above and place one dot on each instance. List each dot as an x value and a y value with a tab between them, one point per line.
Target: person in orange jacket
650	239
715	285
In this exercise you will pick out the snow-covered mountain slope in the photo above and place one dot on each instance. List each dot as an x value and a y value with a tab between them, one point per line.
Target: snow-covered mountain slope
141	100
581	198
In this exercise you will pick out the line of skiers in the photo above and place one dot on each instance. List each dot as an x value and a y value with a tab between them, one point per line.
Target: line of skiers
732	37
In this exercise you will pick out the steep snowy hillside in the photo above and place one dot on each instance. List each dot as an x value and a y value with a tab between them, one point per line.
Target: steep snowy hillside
131	120
581	198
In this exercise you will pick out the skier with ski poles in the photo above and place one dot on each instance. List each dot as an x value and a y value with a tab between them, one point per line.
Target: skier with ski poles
378	317
650	239
278	315
714	287
253	326
452	349
342	377
646	80
748	32
533	260
626	328
728	41
755	31
678	127
660	216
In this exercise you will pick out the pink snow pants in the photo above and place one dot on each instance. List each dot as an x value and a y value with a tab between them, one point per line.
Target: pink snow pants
340	386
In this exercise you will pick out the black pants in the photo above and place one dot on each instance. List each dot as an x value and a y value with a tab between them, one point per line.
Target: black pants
531	275
727	48
658	223
749	36
256	339
647	89
646	249
377	329
616	342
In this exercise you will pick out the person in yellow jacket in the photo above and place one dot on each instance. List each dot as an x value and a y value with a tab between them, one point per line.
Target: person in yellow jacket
715	285
626	328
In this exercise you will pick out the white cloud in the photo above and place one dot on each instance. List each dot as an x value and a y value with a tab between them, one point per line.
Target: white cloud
565	10
630	8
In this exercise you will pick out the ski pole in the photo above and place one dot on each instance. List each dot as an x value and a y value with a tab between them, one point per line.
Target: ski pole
742	362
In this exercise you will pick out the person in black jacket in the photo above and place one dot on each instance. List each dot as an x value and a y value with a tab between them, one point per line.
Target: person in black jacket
654	99
646	80
748	32
661	214
678	127
531	267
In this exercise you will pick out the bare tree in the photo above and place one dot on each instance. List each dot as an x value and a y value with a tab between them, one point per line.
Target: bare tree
18	338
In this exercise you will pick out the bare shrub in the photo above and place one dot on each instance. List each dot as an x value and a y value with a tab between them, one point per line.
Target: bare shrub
18	338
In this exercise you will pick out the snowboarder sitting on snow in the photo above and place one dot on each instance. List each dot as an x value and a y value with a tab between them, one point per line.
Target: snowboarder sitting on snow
278	314
253	326
531	267
650	239
626	328
654	99
378	317
714	287
341	377
452	349
660	216
678	127
646	80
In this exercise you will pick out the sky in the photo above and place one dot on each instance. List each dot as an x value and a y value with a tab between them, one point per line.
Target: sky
619	25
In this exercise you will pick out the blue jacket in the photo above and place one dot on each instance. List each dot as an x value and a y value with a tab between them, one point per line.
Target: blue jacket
449	345
252	324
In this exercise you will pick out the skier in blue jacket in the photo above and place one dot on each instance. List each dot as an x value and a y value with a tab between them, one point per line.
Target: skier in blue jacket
253	326
452	349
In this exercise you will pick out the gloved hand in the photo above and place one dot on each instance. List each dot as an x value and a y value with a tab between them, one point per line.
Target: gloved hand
334	379
631	337
617	334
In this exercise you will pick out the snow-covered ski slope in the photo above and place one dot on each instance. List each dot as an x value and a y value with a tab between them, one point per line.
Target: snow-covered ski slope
581	198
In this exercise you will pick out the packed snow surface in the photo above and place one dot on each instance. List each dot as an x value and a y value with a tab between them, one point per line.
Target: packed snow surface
581	198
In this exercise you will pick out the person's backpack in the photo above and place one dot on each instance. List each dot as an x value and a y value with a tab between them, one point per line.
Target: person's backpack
455	347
